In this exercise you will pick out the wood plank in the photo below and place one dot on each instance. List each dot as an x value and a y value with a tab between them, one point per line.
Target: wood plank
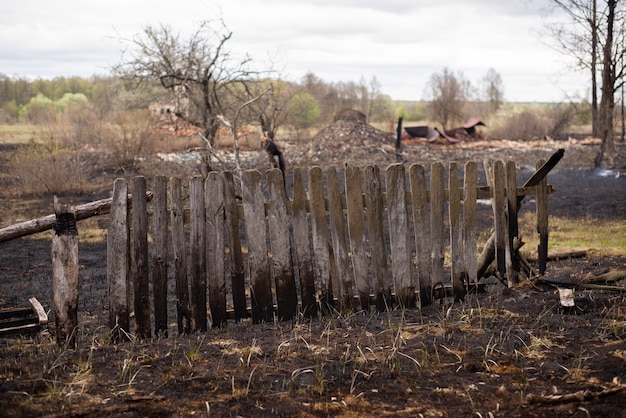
542	221
87	210
216	276
456	234
319	229
512	261
302	243
256	233
280	247
159	255
470	249
399	235
437	196
498	205
421	218
179	255
139	257
197	254
65	274
118	267
345	273
378	249
357	234
234	246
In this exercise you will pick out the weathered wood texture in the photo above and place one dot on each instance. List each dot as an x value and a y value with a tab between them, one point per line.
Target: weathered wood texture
65	274
159	255
118	268
139	258
197	255
328	248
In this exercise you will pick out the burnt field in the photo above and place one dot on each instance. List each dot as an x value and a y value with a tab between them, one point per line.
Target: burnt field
505	352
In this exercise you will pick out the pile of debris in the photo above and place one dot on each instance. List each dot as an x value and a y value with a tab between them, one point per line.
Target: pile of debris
348	138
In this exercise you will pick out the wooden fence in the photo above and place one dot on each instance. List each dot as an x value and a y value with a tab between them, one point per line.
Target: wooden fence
349	240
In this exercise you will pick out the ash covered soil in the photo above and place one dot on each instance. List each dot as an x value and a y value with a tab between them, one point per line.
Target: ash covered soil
506	352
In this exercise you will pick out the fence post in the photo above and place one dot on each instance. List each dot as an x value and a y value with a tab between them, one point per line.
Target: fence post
512	262
378	250
469	221
234	243
421	216
254	212
214	203
499	213
65	274
542	221
280	247
456	235
197	253
159	255
139	257
320	239
345	273
303	247
399	233
437	198
179	253
356	231
118	263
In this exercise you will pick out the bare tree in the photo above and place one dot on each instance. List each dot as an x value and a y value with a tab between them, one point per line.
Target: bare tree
448	96
493	90
594	36
200	71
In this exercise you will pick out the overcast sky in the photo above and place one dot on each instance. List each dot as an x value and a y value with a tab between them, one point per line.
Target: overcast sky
400	42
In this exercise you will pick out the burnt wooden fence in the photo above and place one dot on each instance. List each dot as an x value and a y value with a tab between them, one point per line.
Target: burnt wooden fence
355	239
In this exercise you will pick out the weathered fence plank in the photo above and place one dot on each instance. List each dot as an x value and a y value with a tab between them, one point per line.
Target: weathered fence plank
512	262
356	232
254	213
421	223
305	262
542	221
498	205
345	274
320	239
197	254
378	249
118	268
469	221
65	274
280	246
216	281
159	255
437	197
456	233
399	233
179	254
234	246
139	257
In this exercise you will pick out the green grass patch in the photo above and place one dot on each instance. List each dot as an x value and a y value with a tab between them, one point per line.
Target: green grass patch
600	237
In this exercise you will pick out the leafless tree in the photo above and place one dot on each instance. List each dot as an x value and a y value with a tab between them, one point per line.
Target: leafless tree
200	71
594	36
448	95
493	90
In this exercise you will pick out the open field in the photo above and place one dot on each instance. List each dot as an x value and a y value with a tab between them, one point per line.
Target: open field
506	352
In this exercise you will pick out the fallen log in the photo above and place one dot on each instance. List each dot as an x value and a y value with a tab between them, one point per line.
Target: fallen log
489	251
98	207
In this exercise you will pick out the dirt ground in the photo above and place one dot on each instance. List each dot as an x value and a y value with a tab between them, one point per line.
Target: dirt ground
505	352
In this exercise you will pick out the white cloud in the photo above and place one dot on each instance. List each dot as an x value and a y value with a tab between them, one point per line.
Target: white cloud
400	42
